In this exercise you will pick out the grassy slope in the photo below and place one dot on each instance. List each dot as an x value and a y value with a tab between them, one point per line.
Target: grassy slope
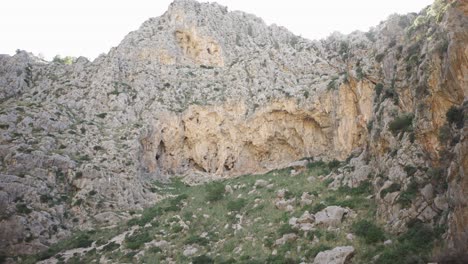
211	225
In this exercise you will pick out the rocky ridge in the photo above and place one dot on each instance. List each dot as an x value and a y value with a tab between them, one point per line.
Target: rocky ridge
209	94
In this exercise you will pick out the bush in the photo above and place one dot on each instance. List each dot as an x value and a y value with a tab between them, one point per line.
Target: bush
368	231
455	116
203	259
333	164
280	259
81	241
236	205
403	123
196	240
395	187
135	241
111	246
412	247
102	115
378	89
379	57
312	253
364	188
214	191
407	196
286	229
147	216
410	170
445	134
68	60
23	209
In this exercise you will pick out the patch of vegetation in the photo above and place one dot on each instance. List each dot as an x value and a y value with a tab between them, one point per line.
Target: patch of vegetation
379	57
286	229
102	115
395	187
445	134
111	246
403	123
312	252
455	116
194	239
67	60
22	208
334	164
378	89
333	84
148	215
410	170
407	196
135	241
367	230
237	204
411	247
203	259
214	191
365	188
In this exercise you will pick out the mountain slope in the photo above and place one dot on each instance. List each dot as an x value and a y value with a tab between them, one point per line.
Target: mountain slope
208	94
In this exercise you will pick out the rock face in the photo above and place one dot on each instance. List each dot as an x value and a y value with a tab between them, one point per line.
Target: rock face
207	93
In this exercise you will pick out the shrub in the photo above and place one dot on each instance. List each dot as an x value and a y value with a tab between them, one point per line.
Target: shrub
407	196
203	259
368	231
111	246
148	215
81	241
332	84
312	253
445	134
176	228
135	241
378	89
410	170
455	116
214	191
403	123
315	208
412	247
392	188
68	60
280	259
23	208
236	205
286	229
364	188
379	57
333	164
196	240
102	115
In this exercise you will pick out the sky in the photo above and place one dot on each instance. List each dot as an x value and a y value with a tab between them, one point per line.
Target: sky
91	27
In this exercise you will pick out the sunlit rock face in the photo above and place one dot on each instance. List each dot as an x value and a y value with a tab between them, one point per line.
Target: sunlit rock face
204	93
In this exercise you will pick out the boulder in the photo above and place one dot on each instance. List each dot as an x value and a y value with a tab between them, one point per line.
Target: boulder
338	255
330	216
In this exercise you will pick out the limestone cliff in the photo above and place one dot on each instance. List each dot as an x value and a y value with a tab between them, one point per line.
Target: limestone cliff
206	93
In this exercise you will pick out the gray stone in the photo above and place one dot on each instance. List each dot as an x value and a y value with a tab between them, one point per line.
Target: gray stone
338	255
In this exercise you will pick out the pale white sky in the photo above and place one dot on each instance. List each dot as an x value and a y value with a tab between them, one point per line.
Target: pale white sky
91	27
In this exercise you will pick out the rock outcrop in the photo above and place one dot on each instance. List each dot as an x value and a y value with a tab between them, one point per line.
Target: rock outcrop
206	93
